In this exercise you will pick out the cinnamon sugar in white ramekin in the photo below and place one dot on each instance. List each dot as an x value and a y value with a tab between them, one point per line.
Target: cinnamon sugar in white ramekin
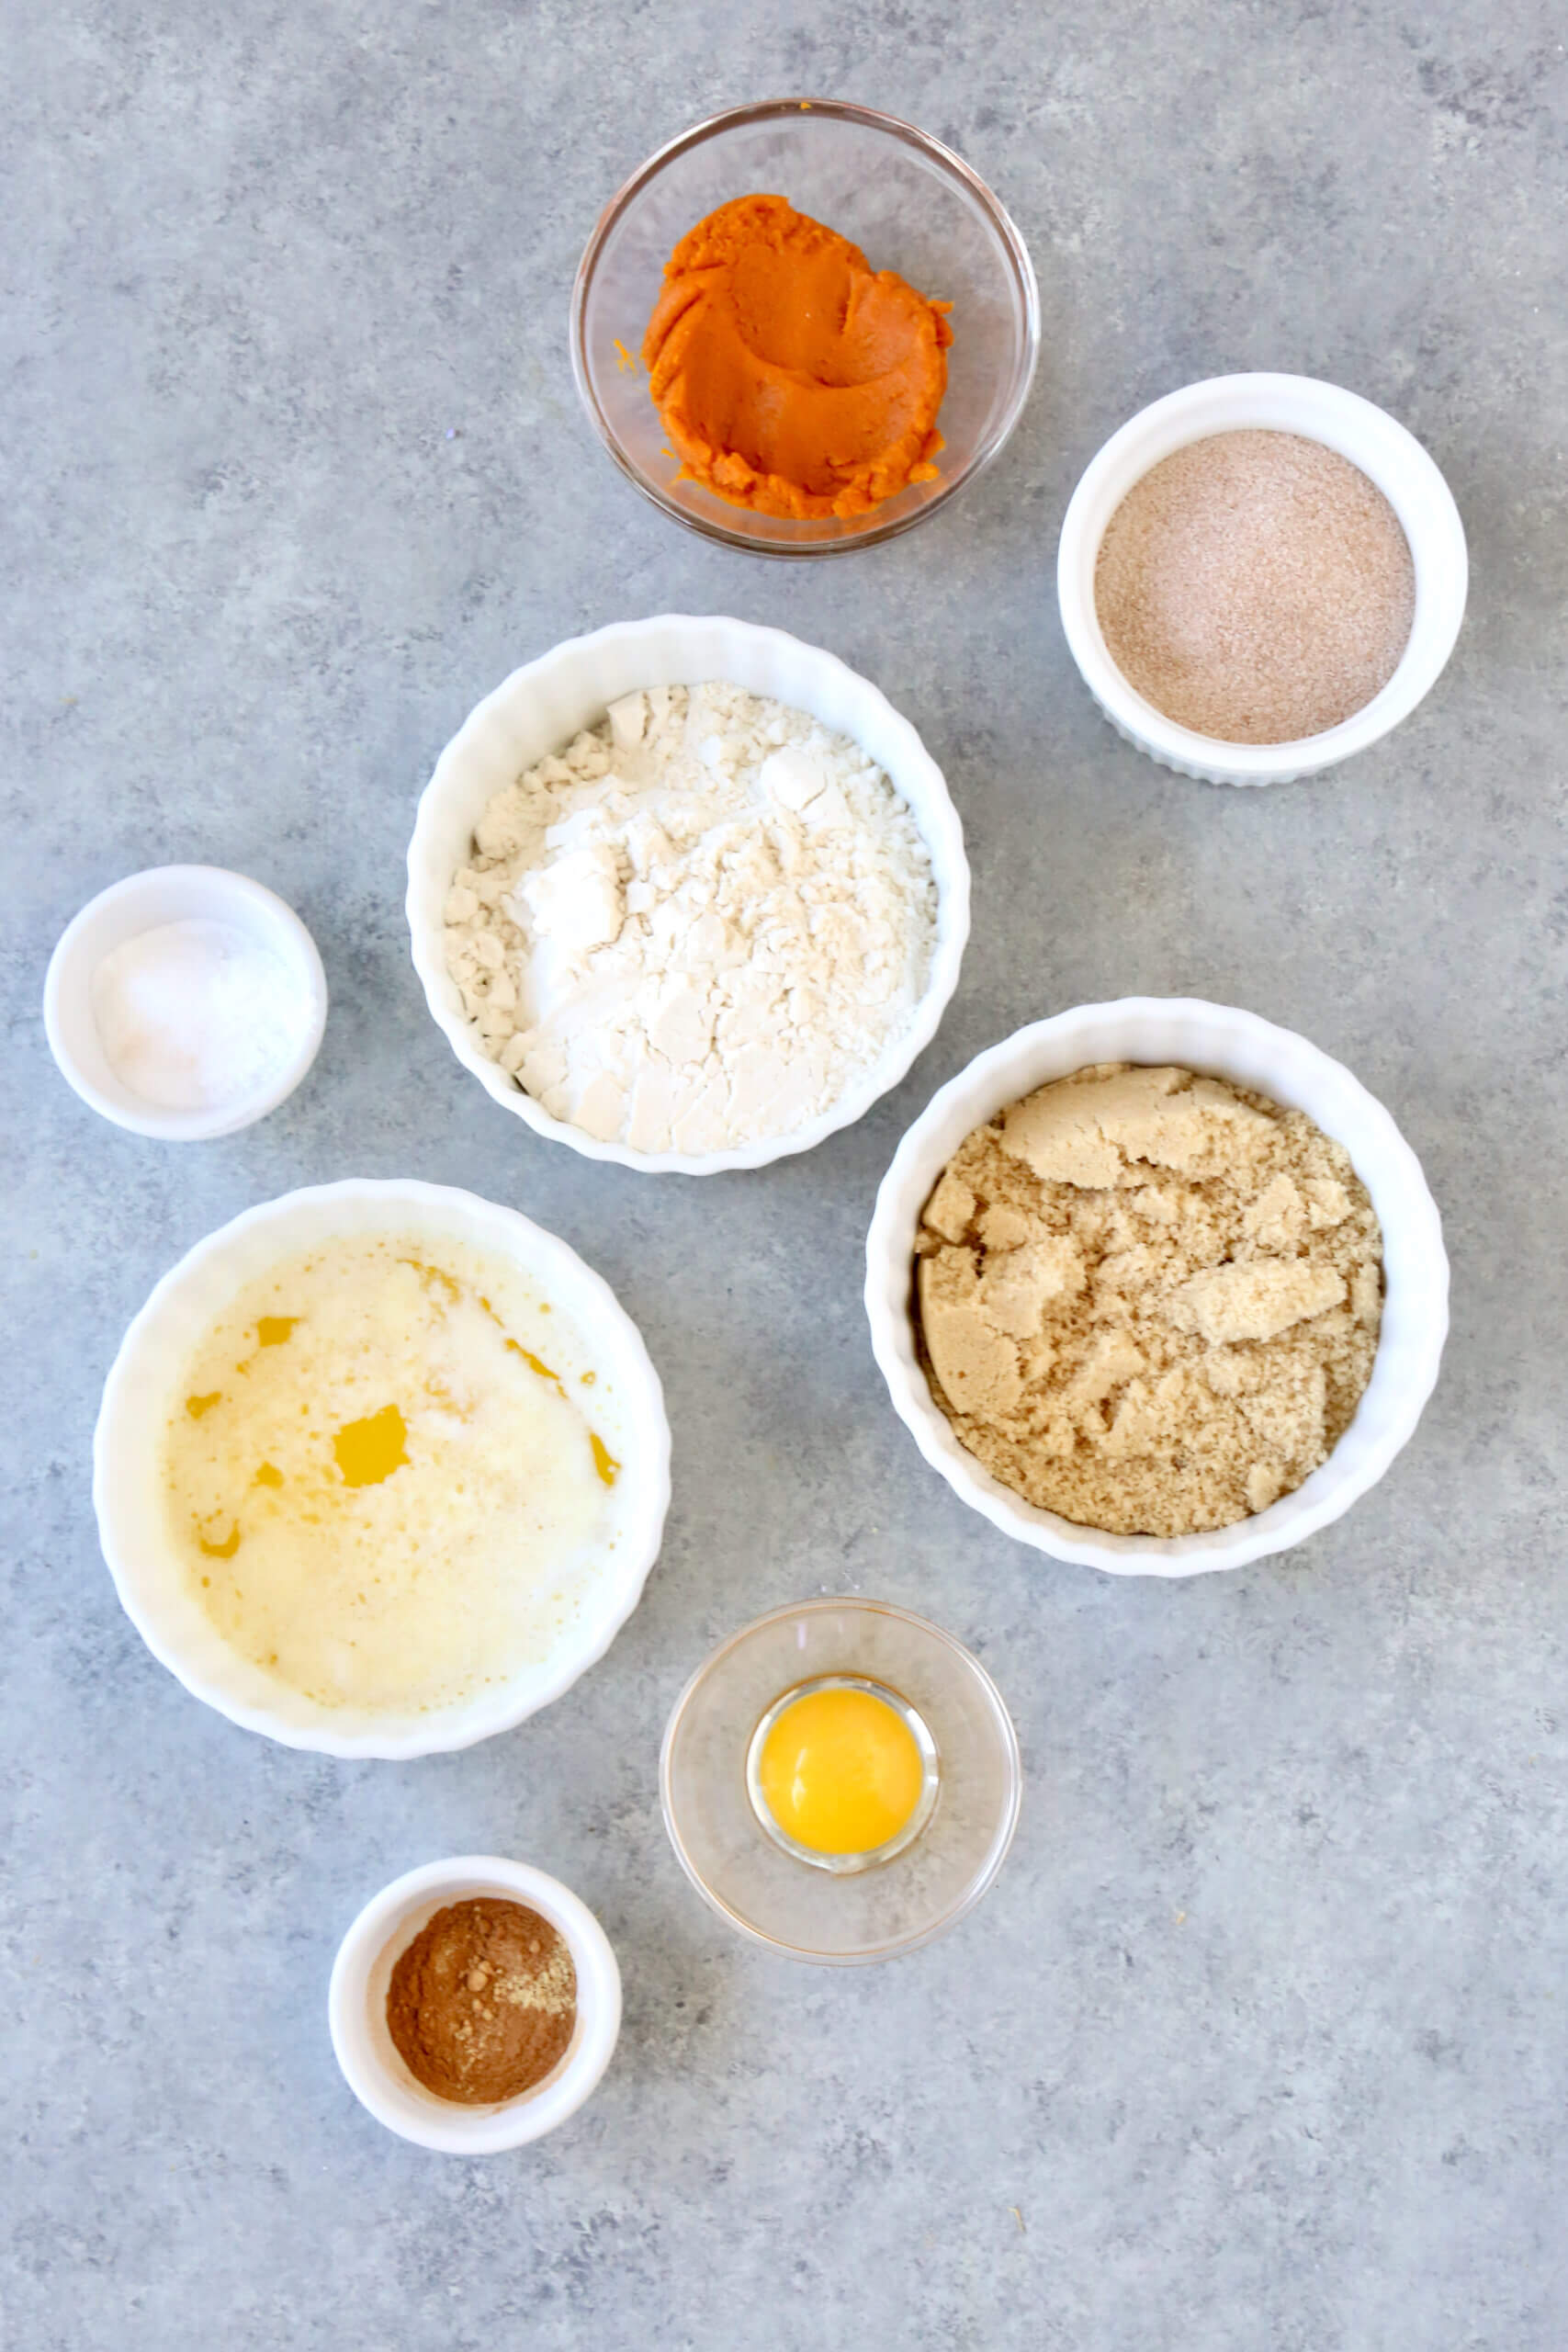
1255	586
1372	441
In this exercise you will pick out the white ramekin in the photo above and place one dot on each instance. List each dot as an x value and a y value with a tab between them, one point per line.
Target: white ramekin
1372	440
1223	1042
127	1448
141	902
543	705
356	2008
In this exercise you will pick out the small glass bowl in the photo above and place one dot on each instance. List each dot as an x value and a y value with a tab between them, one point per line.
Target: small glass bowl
747	1875
908	202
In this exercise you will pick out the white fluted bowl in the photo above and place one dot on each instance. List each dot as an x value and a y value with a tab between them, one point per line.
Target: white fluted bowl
542	706
1222	1042
152	1581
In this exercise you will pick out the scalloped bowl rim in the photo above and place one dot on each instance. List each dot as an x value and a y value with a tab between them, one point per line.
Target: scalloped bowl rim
1274	1061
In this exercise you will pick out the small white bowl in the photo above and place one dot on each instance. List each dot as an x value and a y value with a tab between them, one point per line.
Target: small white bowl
153	1582
1222	1042
1370	438
141	902
541	707
356	2008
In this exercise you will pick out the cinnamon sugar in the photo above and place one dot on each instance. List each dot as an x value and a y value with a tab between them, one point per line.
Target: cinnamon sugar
1255	587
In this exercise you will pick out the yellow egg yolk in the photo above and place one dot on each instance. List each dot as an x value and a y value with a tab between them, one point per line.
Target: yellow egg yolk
840	1773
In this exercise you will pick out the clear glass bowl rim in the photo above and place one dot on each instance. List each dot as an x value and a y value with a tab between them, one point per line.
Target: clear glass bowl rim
1002	1838
870	118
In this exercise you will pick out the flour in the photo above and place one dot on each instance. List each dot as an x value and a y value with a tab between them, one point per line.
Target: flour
696	926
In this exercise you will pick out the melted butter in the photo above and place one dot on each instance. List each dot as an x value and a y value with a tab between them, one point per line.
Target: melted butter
534	1362
422	1504
444	1282
604	1461
369	1451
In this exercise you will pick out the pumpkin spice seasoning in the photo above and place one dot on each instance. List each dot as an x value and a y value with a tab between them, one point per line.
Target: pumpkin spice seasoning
482	2004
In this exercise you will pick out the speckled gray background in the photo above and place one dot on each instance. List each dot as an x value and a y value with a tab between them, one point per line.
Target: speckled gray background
1259	2043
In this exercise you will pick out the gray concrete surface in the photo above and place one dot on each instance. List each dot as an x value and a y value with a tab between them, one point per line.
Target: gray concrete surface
1258	2045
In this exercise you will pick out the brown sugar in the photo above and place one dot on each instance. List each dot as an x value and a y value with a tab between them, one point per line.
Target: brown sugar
1255	587
1149	1301
482	2004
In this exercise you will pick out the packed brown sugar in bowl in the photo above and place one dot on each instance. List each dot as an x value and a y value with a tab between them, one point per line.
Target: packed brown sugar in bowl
790	376
1255	587
1149	1301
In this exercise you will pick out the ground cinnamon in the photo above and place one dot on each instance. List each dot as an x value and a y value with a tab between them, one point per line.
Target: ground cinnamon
481	2005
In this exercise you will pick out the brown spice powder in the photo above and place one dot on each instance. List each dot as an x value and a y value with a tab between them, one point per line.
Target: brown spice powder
1149	1301
1255	587
482	2004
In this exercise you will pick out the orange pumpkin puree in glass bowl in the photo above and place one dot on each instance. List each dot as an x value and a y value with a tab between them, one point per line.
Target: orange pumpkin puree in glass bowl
790	377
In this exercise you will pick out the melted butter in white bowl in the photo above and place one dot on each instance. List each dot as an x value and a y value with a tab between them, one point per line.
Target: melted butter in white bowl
380	1469
383	1489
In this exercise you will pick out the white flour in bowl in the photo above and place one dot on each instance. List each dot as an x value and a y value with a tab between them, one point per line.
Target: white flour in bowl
696	926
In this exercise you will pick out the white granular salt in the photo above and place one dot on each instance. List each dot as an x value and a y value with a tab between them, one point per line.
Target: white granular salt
697	925
197	1013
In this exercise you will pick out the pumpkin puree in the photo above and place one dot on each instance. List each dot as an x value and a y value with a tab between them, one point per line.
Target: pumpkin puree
790	377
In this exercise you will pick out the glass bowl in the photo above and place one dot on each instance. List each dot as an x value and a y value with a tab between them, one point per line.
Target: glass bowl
910	203
745	1874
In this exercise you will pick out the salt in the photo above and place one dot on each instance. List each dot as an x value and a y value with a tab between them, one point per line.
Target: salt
197	1013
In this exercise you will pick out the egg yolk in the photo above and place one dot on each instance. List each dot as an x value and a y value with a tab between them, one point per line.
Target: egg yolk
840	1773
